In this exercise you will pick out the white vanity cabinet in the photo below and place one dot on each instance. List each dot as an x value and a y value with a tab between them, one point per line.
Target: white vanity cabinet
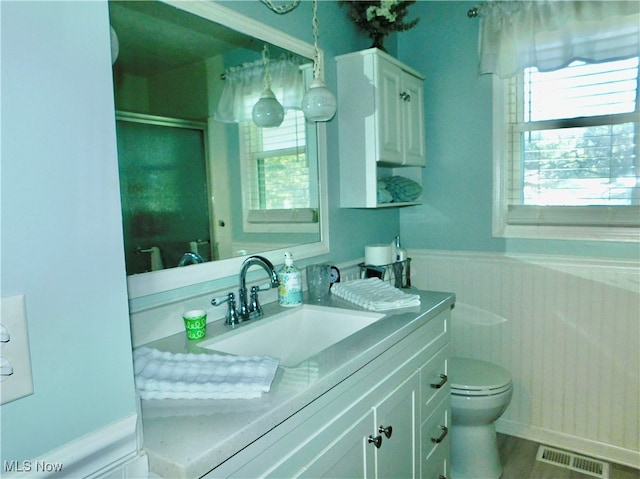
381	120
383	440
389	419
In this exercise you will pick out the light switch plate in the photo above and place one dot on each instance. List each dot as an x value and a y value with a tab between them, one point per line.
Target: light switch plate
15	351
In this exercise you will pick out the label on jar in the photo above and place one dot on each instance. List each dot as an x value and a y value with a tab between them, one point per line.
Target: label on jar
290	289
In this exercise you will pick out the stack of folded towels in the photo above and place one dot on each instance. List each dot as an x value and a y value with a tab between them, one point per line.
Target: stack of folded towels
164	375
374	294
397	189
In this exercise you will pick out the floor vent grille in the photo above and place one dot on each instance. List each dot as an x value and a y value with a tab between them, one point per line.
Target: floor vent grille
574	462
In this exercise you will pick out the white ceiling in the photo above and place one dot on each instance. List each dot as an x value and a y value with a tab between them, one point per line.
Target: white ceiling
155	37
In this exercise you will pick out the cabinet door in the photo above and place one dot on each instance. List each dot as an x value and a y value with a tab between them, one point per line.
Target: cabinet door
390	114
398	453
413	111
349	455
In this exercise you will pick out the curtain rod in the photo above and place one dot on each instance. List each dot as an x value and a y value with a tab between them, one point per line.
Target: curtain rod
283	56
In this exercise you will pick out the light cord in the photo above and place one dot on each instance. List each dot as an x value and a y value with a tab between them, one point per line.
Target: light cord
316	52
265	61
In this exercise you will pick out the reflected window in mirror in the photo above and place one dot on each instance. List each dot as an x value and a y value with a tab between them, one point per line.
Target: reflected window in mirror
276	180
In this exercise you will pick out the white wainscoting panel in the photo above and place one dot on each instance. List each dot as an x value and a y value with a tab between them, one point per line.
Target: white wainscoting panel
110	452
568	331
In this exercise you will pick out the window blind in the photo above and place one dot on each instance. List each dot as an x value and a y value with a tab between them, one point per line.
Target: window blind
573	143
276	170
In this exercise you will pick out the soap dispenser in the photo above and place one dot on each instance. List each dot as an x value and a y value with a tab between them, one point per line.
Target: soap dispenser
290	288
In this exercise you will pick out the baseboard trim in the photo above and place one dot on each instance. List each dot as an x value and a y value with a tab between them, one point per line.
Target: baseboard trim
571	443
89	456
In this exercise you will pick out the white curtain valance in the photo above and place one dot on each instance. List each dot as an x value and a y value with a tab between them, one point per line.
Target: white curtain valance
550	34
244	85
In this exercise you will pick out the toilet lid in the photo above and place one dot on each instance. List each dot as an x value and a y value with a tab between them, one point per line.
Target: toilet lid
477	378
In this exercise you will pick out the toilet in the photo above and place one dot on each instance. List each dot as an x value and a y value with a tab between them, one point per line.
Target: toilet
480	393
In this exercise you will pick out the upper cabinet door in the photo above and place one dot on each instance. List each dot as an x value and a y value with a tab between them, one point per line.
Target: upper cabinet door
391	113
412	96
400	116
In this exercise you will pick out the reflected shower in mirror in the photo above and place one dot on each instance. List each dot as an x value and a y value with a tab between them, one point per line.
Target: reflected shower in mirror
200	181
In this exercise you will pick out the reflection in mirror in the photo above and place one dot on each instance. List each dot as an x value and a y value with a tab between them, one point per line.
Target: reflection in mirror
199	180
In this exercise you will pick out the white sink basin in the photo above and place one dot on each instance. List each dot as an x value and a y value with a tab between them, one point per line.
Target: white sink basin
293	335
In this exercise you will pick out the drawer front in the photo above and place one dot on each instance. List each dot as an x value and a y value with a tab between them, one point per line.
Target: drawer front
436	333
435	431
436	465
434	383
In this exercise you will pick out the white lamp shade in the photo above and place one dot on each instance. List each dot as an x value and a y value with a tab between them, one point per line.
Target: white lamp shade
115	46
318	104
267	112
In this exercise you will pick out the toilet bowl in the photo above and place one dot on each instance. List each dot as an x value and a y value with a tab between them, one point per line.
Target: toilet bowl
480	393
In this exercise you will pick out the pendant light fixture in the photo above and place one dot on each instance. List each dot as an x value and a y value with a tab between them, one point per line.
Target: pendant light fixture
115	46
318	104
267	112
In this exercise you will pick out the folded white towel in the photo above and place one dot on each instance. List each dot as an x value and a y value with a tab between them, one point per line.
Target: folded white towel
374	294
164	375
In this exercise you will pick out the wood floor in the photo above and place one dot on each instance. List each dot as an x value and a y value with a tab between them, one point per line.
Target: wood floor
518	457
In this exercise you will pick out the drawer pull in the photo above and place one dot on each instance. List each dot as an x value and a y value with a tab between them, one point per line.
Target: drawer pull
376	441
443	381
438	440
386	430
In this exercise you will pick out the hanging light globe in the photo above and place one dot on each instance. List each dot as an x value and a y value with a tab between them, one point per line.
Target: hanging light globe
115	46
318	103
268	112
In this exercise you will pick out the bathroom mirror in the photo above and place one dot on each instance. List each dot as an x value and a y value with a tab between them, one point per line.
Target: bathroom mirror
194	186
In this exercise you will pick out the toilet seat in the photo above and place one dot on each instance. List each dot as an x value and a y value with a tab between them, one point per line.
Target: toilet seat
473	377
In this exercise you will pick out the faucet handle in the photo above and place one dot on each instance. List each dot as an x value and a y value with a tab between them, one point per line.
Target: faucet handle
232	317
262	287
254	305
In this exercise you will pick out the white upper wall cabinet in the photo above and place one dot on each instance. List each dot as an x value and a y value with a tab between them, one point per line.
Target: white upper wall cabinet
381	119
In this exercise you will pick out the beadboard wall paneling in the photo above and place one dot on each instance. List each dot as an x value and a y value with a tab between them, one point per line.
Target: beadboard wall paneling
568	331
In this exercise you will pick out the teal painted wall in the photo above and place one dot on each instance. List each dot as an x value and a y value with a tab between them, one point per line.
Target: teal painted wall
61	224
456	214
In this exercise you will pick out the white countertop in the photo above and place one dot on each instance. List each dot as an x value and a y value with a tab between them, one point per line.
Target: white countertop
188	438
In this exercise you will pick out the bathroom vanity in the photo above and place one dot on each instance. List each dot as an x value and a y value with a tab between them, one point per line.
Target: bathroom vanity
375	404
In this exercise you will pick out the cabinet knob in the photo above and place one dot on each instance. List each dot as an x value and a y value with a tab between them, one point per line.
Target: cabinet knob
405	96
438	440
376	441
443	380
386	430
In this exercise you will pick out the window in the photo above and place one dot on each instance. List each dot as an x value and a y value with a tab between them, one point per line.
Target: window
277	182
566	145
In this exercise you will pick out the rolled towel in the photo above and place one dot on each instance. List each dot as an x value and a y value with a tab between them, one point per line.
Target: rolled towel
402	189
164	375
383	195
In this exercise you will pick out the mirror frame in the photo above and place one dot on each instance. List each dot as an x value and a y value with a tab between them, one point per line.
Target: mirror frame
145	284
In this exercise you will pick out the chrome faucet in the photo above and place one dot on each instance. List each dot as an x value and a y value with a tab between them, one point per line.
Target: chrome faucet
251	308
190	258
246	309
